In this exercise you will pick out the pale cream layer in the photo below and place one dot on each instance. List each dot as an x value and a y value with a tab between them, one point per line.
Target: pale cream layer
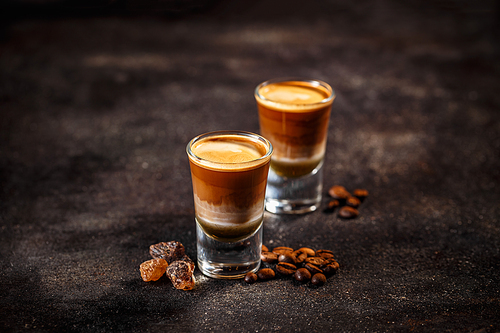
226	215
226	222
299	160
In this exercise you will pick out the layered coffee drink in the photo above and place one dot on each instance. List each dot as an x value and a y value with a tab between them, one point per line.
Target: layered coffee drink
229	173
294	116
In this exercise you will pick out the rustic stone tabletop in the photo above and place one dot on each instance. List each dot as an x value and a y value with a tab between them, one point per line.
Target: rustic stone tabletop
97	106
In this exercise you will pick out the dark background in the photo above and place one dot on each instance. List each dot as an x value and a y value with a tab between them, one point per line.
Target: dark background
99	99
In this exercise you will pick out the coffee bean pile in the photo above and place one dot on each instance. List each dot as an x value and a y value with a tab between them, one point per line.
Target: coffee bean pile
347	202
304	265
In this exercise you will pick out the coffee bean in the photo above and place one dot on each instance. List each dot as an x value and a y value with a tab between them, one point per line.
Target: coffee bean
269	257
326	254
318	261
302	275
308	251
282	249
331	268
318	279
265	274
286	268
287	257
353	202
299	256
313	268
264	248
251	278
333	204
360	193
347	212
327	262
338	192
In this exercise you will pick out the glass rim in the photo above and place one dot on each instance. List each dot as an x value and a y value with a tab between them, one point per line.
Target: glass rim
314	82
228	133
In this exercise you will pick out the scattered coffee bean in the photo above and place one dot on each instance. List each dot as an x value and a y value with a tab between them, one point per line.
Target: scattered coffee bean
269	257
333	204
264	248
353	202
348	203
326	254
286	268
312	268
347	212
265	274
302	275
360	193
318	261
251	278
282	249
287	257
308	251
299	256
331	268
338	192
318	279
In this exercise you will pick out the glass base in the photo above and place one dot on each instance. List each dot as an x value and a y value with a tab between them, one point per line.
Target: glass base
228	260
294	195
291	207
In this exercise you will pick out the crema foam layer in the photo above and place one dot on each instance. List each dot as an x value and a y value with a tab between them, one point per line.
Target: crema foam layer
228	152
292	95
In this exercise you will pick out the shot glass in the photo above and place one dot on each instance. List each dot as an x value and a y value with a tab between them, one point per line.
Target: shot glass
294	115
229	172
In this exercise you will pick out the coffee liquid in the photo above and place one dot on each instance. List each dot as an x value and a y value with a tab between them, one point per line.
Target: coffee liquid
294	116
229	174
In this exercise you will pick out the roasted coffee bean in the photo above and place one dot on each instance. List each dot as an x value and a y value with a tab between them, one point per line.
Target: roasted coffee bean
353	202
308	251
264	248
318	261
338	192
282	249
312	268
327	262
347	212
269	257
331	268
325	254
251	278
287	257
333	204
302	275
360	193
318	279
299	256
265	274
286	268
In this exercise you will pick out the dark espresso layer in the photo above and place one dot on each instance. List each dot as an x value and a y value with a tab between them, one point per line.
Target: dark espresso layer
294	117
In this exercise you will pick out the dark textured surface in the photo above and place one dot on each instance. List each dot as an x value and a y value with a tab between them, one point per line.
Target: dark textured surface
96	111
